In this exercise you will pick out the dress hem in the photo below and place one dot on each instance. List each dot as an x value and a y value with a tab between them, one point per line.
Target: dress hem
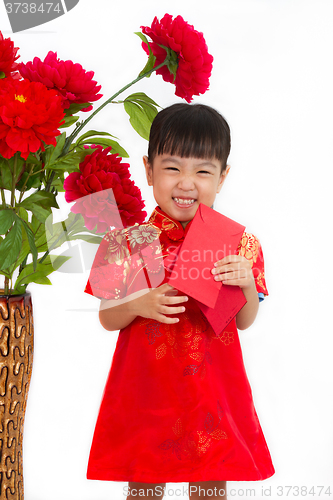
223	474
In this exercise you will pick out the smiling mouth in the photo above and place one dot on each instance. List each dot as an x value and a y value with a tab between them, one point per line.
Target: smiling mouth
184	201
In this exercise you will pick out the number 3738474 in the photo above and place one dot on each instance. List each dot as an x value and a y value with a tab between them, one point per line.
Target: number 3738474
33	8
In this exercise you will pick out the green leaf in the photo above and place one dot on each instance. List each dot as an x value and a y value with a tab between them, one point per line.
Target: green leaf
68	121
10	247
3	273
32	159
20	290
20	167
35	224
42	280
138	119
50	264
171	61
23	214
75	108
24	252
143	38
40	212
87	237
7	217
116	148
6	175
34	180
2	75
150	111
63	167
56	152
72	159
42	198
31	240
91	133
151	59
141	96
58	183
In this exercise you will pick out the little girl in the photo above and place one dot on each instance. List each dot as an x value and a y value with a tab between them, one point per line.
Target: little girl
177	406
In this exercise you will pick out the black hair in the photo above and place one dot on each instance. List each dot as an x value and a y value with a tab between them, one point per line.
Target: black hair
190	130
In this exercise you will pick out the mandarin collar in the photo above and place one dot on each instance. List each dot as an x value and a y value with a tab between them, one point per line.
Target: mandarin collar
172	227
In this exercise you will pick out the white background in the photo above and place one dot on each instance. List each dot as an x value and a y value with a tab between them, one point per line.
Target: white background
272	80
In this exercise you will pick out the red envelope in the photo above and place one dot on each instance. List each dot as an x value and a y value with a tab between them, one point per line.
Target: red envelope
229	302
210	237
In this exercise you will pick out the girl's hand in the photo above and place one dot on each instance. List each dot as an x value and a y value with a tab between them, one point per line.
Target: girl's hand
234	270
157	303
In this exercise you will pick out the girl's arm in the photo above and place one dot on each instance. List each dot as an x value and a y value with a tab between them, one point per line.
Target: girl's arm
236	270
153	304
248	313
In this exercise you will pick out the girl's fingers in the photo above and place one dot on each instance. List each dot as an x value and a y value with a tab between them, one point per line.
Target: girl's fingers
227	259
171	310
166	287
231	275
164	319
175	300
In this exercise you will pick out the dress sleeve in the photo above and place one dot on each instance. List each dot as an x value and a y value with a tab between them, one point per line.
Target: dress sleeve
250	248
110	268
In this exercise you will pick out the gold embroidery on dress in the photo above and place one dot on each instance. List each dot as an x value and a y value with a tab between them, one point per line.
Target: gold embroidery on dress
192	445
226	337
167	224
249	247
145	233
161	351
117	250
183	342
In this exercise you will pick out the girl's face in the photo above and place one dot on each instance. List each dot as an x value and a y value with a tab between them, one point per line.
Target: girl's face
180	184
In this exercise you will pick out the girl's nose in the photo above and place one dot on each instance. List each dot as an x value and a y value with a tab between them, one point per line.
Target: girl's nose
186	183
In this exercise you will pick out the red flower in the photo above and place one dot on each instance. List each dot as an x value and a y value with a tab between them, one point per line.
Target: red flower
105	191
8	57
194	61
71	81
30	115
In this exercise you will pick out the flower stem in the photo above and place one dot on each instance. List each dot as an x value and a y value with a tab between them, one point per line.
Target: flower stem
25	183
49	182
13	181
6	290
66	229
3	198
74	134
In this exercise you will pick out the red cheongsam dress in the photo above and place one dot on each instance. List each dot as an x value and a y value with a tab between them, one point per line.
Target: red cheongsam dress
177	405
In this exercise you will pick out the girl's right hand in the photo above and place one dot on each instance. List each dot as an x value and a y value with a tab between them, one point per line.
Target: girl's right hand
158	302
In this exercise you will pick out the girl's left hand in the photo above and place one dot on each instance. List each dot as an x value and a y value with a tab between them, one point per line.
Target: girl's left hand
234	270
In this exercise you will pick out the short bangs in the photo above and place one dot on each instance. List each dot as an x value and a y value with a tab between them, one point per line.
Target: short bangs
190	130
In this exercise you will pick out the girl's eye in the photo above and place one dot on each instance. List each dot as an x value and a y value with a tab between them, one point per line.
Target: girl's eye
203	172
172	168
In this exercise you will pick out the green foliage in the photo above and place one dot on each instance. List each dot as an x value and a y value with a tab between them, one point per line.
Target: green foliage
142	111
151	59
7	217
91	137
11	245
68	121
75	108
29	188
171	61
40	273
6	176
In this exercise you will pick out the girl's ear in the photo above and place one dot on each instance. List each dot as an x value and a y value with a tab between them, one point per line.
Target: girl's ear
149	170
223	177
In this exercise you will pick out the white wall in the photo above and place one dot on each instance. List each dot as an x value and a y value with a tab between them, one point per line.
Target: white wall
272	79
